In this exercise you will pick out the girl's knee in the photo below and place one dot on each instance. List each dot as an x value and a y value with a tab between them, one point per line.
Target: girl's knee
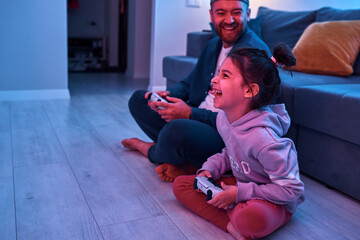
182	186
254	219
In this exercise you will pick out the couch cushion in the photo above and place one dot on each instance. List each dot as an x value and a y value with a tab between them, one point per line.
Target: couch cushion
332	14
328	48
282	26
177	68
298	79
255	25
330	109
196	41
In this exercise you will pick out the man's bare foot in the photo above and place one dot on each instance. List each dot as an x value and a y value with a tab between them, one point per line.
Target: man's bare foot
168	172
231	229
137	145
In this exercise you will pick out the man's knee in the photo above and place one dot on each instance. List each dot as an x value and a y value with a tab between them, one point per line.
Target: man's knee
178	131
138	97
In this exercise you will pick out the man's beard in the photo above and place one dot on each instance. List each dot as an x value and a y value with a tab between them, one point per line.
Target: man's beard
231	38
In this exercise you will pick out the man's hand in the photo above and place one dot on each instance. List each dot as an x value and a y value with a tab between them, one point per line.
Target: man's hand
175	109
162	94
226	198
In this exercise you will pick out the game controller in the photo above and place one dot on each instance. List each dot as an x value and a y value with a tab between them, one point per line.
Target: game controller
154	97
207	186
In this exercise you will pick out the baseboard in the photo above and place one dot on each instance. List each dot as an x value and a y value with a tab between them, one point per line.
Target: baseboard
156	88
20	95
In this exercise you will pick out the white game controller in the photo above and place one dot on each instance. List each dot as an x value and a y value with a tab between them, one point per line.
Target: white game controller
154	97
207	186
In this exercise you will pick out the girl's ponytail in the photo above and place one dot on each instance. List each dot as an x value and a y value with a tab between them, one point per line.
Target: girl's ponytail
283	55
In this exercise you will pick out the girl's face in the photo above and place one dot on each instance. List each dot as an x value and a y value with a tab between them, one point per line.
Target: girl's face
231	94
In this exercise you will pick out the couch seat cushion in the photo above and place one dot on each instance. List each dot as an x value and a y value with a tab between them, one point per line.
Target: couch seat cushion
177	68
330	109
299	79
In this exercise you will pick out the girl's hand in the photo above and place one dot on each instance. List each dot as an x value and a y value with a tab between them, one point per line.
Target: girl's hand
226	198
205	173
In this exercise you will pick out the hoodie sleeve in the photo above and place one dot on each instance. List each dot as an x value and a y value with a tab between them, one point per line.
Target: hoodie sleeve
217	164
279	160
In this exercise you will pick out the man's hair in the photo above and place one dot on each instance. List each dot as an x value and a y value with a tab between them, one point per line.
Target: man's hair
244	1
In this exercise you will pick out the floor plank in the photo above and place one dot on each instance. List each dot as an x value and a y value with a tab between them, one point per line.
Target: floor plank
7	206
149	229
7	209
329	206
106	183
5	141
190	224
34	141
50	205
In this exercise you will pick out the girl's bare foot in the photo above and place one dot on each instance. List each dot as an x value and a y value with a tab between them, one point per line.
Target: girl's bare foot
168	172
137	145
231	229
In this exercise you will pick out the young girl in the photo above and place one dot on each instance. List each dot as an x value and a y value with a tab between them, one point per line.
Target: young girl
266	188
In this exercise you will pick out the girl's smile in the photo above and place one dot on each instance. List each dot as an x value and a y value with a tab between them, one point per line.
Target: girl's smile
230	92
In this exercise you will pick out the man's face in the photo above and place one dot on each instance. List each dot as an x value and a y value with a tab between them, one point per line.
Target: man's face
229	18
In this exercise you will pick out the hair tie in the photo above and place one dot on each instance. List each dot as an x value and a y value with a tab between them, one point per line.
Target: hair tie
274	60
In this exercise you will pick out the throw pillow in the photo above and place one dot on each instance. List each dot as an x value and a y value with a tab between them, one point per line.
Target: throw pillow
328	48
283	26
333	14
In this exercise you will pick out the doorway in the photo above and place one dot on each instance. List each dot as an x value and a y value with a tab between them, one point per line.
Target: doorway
97	35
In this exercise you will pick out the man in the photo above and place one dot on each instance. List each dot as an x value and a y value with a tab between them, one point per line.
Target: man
184	130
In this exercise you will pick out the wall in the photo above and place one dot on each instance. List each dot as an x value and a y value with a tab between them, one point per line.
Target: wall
172	20
33	47
139	33
80	19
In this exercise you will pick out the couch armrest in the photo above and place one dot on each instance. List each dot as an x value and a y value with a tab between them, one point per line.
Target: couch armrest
196	41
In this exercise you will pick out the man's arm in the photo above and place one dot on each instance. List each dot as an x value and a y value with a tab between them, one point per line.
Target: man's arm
204	115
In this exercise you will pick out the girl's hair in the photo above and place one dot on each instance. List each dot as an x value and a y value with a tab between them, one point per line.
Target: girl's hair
255	66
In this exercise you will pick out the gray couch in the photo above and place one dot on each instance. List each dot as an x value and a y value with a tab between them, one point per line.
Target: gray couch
325	109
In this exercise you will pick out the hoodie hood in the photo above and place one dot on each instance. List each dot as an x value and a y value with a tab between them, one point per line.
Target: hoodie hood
274	117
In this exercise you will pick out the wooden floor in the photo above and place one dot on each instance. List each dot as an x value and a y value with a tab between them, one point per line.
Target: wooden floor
64	175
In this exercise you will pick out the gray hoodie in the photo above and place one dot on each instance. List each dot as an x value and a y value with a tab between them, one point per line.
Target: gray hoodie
263	162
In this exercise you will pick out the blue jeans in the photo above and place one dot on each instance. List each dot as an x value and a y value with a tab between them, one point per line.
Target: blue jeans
177	142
